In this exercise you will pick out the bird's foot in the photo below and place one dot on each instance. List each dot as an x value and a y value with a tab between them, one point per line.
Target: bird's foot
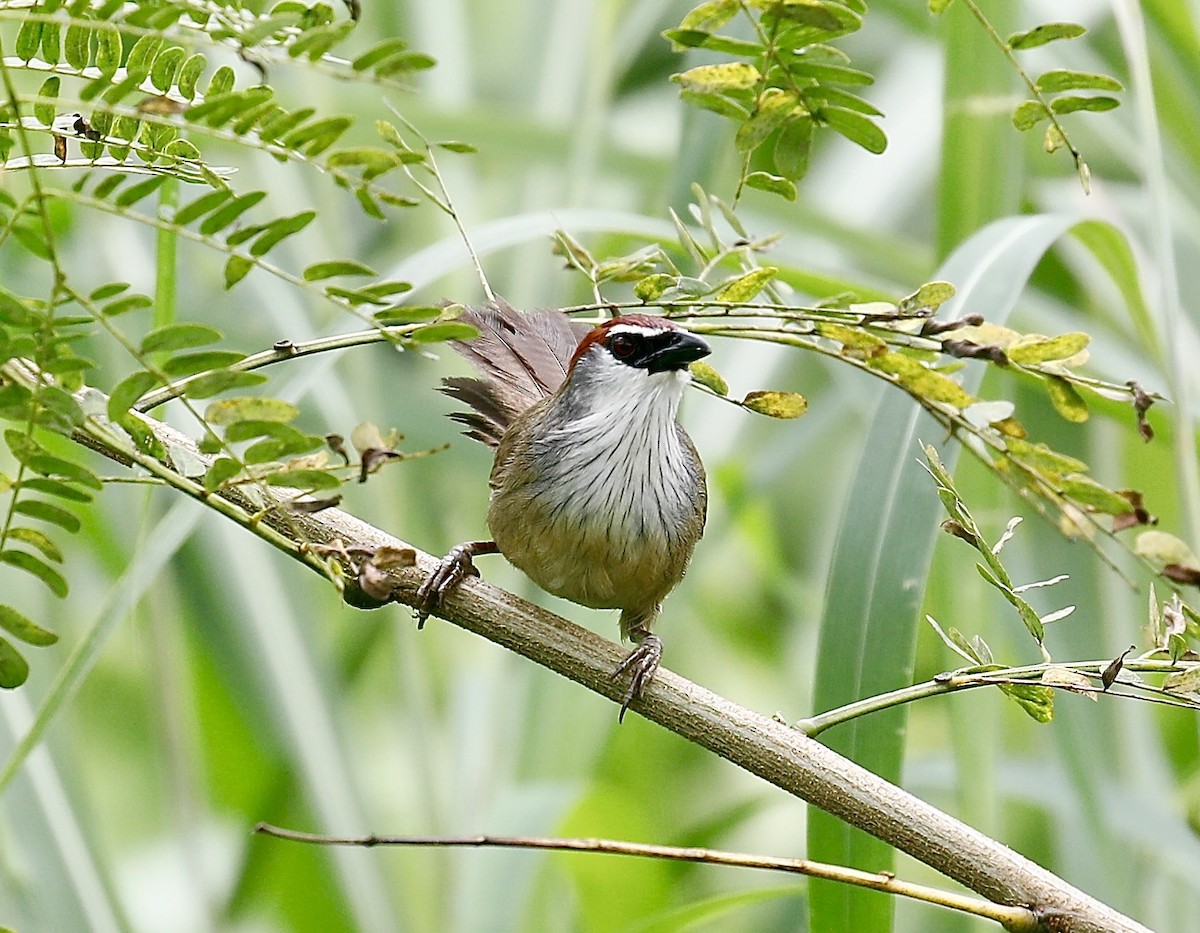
450	572
641	663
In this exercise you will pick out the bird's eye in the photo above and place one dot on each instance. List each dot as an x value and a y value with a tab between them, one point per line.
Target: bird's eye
622	346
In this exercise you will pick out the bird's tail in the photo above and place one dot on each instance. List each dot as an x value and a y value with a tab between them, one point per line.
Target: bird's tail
521	356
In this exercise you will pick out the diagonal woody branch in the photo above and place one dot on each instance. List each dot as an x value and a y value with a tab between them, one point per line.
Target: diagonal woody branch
791	761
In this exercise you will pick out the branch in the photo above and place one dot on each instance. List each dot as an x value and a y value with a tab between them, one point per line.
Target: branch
1015	919
763	746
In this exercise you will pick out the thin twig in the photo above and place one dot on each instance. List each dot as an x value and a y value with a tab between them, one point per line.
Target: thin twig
1017	919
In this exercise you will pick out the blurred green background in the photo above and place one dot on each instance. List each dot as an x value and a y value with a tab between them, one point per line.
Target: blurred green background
227	685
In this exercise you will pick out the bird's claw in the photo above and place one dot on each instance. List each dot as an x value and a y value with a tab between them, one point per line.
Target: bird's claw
450	571
641	663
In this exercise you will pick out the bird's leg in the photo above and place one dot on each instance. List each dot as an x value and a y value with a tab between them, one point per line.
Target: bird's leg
449	573
641	662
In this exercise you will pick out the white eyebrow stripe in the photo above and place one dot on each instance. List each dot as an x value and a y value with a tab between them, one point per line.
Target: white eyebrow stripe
639	330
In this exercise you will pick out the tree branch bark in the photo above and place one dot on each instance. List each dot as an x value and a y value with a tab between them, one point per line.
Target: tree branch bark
763	746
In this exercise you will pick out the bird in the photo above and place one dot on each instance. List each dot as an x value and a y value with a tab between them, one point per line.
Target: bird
597	493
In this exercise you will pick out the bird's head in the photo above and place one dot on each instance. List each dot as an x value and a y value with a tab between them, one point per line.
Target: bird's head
629	360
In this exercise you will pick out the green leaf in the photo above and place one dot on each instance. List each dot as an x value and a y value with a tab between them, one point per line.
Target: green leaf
54	487
765	181
14	671
210	384
793	147
29	632
747	286
304	479
221	470
719	79
108	50
166	67
314	138
141	56
48	465
29	39
250	408
43	111
455	146
373	56
221	82
770	113
834	74
189	75
76	48
1062	80
1047	32
716	103
179	337
23	560
39	540
1029	114
407	314
1036	699
125	305
1086	491
444	330
1091	104
187	364
126	392
707	376
134	193
776	404
201	206
236	269
1067	400
279	230
51	45
856	127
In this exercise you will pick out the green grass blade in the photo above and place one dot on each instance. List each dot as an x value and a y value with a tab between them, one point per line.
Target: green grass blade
884	548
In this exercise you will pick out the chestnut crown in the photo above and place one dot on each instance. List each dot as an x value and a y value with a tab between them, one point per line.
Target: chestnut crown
642	341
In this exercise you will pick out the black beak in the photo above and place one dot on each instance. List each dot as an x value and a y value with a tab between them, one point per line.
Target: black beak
677	349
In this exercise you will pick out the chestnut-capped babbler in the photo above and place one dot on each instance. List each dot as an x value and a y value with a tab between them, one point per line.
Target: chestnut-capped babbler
597	494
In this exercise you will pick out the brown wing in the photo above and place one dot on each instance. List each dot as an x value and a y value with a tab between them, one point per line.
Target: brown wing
522	357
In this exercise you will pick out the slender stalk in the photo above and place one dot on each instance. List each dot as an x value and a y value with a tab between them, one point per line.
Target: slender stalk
1017	919
166	246
1029	674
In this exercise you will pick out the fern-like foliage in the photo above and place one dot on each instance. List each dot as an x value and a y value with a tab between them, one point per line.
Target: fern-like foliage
109	106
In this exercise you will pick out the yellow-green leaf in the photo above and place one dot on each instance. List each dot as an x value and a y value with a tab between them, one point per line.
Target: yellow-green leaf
1067	401
652	286
722	78
704	374
853	338
749	285
1036	349
1043	459
24	629
776	404
922	381
250	408
1161	549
